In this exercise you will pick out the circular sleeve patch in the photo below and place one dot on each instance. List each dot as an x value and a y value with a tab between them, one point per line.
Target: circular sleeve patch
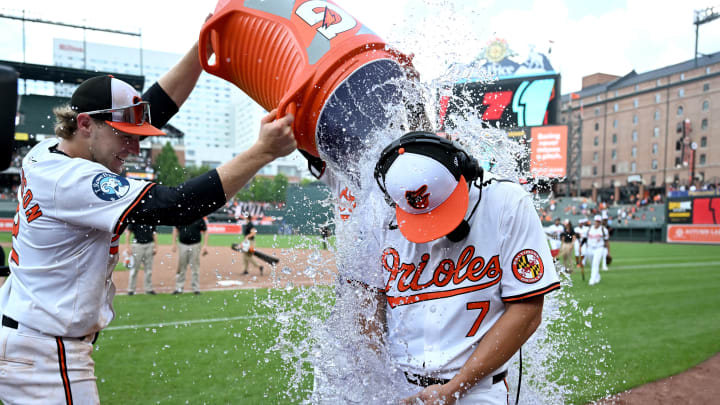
110	186
527	266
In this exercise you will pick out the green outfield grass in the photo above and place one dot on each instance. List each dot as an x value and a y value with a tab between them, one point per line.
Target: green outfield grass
654	314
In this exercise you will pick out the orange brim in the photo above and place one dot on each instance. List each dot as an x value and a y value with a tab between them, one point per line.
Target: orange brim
143	130
422	228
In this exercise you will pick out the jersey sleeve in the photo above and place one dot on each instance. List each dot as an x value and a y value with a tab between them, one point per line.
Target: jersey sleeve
89	195
525	258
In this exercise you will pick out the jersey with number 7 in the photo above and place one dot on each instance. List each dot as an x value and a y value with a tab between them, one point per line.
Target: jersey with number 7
442	297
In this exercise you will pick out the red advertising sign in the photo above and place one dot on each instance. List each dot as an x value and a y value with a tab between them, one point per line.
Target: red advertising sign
709	234
548	151
6	224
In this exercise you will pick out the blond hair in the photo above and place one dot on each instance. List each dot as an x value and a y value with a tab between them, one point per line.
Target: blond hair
66	121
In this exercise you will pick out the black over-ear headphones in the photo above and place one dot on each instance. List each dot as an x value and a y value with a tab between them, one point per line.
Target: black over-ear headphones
449	153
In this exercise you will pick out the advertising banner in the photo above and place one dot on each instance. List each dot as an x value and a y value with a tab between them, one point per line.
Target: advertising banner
548	151
709	234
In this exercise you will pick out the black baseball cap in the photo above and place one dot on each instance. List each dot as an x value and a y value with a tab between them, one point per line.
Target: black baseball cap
115	102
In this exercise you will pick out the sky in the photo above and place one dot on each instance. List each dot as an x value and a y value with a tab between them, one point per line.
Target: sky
608	36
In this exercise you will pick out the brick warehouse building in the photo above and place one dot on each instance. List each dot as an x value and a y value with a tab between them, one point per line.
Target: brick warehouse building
647	132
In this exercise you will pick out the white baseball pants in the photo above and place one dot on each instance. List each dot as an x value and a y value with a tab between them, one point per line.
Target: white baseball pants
39	369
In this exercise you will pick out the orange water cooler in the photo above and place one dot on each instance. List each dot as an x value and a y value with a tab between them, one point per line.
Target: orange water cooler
313	59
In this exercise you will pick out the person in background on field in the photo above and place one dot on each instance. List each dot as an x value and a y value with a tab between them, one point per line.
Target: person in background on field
567	239
144	249
597	242
580	244
248	246
553	234
606	250
191	239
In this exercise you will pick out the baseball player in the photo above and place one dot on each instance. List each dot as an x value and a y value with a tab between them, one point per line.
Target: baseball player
74	206
144	242
462	274
597	242
553	233
579	244
607	259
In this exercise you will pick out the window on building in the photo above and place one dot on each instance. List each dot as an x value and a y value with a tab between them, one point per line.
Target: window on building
636	103
596	141
704	124
594	170
612	168
615	94
678	161
656	115
658	98
633	151
615	106
635	119
597	126
680	110
655	149
656	132
614	138
633	167
706	105
658	82
707	70
681	92
637	87
614	154
682	76
614	123
654	164
595	156
634	136
597	112
706	87
702	159
703	141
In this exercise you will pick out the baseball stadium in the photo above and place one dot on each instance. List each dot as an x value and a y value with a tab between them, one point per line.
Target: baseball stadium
267	296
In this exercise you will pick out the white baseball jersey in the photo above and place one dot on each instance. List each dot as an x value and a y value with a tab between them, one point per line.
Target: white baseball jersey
581	231
597	237
442	297
553	233
65	242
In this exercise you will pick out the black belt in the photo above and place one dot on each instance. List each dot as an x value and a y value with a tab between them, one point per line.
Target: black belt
13	324
425	381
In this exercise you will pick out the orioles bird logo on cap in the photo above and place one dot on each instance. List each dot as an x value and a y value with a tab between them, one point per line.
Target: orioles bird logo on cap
418	199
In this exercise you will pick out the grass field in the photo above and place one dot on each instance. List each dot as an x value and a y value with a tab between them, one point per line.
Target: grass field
654	314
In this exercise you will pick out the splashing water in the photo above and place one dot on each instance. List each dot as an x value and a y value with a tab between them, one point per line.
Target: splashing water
327	356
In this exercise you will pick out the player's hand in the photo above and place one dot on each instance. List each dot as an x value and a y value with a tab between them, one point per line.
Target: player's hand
432	395
276	137
204	252
174	248
154	251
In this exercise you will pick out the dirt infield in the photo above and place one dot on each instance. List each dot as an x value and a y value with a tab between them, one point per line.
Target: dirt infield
222	269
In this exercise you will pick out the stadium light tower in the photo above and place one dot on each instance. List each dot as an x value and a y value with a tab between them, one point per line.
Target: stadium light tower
702	17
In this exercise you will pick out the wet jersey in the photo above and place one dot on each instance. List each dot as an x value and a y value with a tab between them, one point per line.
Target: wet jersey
65	242
442	297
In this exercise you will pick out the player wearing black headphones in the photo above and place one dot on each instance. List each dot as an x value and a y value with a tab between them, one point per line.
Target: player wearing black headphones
465	266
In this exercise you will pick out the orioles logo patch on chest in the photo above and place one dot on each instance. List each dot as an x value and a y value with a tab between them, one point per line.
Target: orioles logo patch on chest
418	199
527	266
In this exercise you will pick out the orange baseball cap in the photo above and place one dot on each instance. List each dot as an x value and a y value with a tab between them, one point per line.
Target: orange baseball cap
115	102
431	198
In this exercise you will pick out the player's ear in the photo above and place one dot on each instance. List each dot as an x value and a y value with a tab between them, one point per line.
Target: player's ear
84	121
